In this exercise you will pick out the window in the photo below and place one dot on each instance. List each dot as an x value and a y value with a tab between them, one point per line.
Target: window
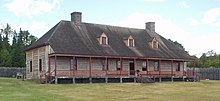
73	64
103	62
118	64
156	66
131	42
178	66
103	40
155	44
82	64
40	65
30	66
144	66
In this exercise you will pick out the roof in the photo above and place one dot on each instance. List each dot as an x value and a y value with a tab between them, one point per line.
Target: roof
68	38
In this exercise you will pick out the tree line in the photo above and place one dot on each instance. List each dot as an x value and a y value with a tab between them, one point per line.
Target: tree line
208	59
13	54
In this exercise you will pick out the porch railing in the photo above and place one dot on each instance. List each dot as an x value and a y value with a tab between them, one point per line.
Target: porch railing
102	73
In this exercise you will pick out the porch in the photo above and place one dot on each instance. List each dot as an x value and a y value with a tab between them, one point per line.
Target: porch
108	69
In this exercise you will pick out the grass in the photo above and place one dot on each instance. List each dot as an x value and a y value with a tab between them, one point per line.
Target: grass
12	89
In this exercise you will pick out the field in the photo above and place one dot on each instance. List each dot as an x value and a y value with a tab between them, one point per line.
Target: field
12	89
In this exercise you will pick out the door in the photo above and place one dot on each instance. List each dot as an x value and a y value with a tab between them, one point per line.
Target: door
131	65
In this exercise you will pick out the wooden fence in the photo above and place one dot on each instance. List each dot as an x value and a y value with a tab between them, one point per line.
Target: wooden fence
208	73
11	71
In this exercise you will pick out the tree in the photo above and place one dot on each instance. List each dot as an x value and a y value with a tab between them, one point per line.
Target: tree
5	58
177	44
208	59
32	39
7	31
20	41
14	55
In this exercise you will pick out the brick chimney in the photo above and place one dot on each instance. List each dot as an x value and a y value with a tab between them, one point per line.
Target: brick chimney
150	26
76	17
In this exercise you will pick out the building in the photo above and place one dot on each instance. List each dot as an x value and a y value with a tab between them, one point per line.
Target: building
78	51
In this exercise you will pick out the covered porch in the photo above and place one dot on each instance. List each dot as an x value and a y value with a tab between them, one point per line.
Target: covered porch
110	67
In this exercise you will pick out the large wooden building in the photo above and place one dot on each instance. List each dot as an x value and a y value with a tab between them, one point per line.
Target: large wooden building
80	51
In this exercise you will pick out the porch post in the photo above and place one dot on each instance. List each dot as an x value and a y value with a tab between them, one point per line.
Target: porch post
49	64
55	61
135	70
172	70
159	67
134	66
106	70
46	76
121	70
160	79
90	69
183	69
120	66
55	64
147	66
73	64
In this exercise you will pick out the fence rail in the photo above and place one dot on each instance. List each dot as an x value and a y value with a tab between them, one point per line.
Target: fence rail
208	73
11	71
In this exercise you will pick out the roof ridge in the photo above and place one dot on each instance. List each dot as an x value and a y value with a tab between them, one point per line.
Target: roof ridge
113	26
107	25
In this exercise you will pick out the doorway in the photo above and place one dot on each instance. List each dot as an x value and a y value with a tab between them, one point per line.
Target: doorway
131	65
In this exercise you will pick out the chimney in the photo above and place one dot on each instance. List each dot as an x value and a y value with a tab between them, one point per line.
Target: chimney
76	17
150	26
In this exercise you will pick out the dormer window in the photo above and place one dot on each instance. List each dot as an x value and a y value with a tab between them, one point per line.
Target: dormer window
103	39
153	43
131	42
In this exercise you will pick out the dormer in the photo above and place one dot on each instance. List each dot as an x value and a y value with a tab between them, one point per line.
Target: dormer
103	39
129	41
153	43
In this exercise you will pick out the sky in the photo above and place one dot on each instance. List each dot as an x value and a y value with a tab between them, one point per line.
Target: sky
193	23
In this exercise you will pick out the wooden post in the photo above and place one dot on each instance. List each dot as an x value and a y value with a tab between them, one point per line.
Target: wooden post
134	70
172	67
74	80
48	63
120	66
172	70
90	69
56	80
55	64
147	66
73	64
159	67
183	69
106	66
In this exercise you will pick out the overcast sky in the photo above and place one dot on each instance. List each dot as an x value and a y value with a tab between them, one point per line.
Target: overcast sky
193	23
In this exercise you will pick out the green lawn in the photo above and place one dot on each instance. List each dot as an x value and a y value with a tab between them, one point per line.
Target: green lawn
12	89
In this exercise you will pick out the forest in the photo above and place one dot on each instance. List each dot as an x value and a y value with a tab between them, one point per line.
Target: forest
12	46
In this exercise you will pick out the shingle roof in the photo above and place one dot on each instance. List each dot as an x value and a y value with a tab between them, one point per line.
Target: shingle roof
69	38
